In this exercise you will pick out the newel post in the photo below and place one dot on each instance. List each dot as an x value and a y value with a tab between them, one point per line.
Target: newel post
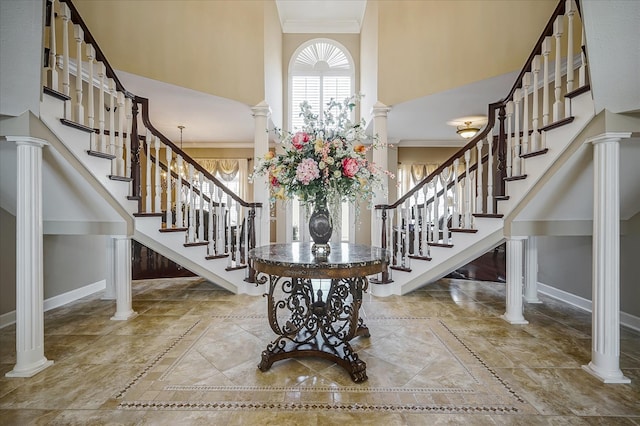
135	156
501	171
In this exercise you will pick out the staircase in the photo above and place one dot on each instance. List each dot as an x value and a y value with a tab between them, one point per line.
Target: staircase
177	208
460	211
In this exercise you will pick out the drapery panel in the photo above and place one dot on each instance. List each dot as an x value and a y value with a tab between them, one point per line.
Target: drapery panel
228	170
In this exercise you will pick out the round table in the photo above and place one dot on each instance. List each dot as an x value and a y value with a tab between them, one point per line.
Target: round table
307	322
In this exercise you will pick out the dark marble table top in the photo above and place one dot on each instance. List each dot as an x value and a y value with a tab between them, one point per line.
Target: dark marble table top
297	260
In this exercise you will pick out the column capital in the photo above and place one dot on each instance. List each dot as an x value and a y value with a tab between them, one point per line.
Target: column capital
262	109
27	140
608	137
380	110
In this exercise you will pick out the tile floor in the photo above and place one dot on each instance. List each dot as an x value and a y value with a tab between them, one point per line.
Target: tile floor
440	355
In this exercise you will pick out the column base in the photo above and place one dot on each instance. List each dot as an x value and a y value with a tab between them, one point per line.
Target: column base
124	316
533	300
514	321
606	377
31	371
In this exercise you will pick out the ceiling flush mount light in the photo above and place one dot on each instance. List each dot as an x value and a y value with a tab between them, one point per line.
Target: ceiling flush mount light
467	131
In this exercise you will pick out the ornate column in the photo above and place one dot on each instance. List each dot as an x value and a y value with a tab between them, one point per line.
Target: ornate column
513	313
605	326
121	270
531	271
381	159
261	194
30	358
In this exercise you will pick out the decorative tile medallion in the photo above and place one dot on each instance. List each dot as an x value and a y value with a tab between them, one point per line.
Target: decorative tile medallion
414	364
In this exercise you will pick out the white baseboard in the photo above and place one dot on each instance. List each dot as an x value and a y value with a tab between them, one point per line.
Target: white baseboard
59	300
626	319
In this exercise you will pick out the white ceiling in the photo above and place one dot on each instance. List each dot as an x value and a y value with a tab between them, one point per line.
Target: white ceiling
213	120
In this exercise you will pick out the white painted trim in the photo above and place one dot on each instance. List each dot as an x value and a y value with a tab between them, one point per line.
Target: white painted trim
57	301
626	319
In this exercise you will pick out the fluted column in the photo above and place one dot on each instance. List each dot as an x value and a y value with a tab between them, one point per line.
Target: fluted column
121	267
531	271
380	158
605	326
261	194
30	358
513	313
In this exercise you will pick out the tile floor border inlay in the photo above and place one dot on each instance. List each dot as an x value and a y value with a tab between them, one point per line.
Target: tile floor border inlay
289	406
486	391
155	361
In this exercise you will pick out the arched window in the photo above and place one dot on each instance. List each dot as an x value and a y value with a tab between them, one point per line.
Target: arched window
319	70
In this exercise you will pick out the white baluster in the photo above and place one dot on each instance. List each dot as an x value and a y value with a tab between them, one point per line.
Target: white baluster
516	141
455	209
557	34
210	236
509	111
78	34
168	217
425	226
569	11
582	73
120	138
490	176
444	181
192	202
52	72
91	56
535	136
479	190
102	141
220	220
432	216
128	106
467	187
407	230
546	51
201	209
436	212
179	215
65	14
112	122
157	203
526	83
238	232
148	192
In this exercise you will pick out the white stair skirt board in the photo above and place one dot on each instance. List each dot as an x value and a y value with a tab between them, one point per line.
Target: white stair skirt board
57	301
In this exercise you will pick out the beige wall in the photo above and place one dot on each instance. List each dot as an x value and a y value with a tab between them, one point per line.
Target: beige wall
424	155
215	47
426	47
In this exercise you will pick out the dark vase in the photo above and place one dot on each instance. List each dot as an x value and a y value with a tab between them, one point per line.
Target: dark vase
320	228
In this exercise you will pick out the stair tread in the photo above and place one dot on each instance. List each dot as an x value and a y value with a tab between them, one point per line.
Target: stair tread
534	153
441	245
145	214
463	230
489	215
556	124
580	90
77	125
173	229
501	197
120	178
56	94
512	178
100	154
197	243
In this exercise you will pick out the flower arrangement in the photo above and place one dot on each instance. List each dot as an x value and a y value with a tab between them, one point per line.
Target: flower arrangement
325	161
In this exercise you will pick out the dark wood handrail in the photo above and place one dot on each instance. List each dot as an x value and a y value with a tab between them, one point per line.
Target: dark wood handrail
89	39
491	122
145	119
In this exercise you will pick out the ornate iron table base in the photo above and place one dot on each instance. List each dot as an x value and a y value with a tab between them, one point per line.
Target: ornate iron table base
313	326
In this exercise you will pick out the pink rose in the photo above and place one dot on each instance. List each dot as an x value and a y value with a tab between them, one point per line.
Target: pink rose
350	167
299	140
